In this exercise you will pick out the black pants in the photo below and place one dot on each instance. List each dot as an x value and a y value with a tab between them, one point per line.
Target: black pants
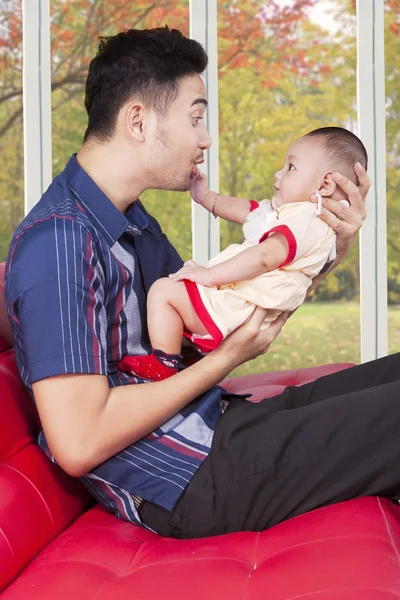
331	440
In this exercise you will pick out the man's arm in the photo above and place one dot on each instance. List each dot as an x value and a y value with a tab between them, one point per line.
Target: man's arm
86	422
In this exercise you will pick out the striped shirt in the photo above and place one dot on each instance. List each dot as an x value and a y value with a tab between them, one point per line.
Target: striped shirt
77	276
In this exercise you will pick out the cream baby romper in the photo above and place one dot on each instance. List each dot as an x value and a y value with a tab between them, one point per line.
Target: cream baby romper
310	243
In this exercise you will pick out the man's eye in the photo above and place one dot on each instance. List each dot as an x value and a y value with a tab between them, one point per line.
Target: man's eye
291	167
196	120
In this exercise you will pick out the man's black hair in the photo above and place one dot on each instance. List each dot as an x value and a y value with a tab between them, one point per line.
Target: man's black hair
146	64
343	147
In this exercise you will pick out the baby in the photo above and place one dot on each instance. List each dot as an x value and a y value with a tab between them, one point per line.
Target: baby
285	246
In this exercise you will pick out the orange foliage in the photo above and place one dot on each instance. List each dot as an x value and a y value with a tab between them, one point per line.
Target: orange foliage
252	34
256	34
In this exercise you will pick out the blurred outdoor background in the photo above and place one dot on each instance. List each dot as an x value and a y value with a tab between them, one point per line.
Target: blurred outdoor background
285	68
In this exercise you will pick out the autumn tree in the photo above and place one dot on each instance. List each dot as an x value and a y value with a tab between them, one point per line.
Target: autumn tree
280	75
252	36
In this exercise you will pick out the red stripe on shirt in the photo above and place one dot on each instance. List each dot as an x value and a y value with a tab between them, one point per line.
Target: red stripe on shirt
119	305
291	240
181	448
91	307
51	216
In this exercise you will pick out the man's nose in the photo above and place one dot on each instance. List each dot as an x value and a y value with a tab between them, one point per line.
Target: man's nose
205	140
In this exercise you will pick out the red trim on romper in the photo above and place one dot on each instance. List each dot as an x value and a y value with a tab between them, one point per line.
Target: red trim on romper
204	316
253	205
204	345
291	240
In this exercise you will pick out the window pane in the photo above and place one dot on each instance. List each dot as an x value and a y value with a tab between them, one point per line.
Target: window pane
286	68
11	130
74	39
392	86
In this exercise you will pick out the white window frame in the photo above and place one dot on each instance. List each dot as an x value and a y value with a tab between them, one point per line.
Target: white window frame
36	86
371	126
203	27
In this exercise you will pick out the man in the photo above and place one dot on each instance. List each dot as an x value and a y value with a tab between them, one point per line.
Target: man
165	454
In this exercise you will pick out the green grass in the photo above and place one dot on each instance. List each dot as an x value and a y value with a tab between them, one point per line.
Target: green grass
317	334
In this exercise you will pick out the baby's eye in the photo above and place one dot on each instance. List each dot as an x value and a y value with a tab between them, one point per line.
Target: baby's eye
291	167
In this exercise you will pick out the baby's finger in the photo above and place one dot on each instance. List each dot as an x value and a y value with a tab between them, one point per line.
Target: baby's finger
178	276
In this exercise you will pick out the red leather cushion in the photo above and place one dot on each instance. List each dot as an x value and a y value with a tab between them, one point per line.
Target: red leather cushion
37	499
5	331
267	385
349	551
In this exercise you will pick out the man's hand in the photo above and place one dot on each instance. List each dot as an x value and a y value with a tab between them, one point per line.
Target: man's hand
346	222
199	187
193	272
248	341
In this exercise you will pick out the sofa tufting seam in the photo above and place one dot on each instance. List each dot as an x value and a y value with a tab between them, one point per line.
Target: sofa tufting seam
8	373
184	559
100	590
312	594
36	490
57	561
389	530
8	543
326	539
18	449
247	587
258	536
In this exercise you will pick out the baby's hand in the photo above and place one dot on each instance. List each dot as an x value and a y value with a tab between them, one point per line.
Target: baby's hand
199	187
193	272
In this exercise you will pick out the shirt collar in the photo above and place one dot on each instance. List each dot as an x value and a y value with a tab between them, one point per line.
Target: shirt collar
104	215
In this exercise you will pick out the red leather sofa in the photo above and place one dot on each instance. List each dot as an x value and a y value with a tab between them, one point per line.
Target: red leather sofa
56	543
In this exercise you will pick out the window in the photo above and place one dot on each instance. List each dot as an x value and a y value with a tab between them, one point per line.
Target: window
75	28
11	127
286	68
392	86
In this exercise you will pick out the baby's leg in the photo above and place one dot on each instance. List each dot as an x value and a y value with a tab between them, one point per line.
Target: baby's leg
169	312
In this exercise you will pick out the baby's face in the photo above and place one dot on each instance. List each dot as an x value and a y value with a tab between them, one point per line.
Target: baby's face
301	173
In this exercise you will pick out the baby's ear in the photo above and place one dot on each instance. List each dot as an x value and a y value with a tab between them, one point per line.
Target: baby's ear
327	184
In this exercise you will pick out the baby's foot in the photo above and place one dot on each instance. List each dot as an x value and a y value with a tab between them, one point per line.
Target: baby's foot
153	367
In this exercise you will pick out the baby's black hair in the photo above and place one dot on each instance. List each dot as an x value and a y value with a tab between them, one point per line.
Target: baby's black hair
343	147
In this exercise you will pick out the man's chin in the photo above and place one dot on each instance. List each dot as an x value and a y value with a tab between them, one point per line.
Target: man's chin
176	185
183	186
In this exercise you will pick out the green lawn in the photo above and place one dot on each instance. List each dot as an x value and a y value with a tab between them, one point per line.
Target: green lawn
318	334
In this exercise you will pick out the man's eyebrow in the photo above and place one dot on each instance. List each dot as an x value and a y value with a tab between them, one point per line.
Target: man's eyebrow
200	101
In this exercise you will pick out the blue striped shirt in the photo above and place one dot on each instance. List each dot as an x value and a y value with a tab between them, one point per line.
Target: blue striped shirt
77	276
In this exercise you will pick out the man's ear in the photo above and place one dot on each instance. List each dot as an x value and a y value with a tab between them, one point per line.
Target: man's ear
327	185
134	120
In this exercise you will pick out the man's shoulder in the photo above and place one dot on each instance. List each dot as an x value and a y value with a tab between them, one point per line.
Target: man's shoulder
55	206
55	229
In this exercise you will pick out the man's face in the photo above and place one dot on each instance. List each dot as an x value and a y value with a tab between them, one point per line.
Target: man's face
180	138
301	173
